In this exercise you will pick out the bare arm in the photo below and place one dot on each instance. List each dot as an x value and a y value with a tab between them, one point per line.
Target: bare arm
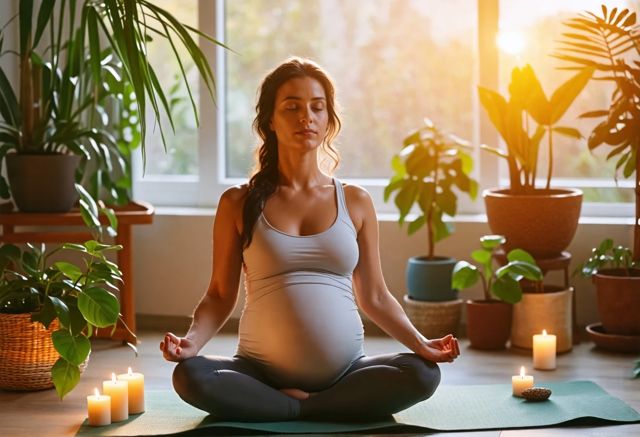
218	302
372	294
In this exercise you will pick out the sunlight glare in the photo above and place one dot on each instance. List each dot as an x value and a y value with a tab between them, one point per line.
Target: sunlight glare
511	42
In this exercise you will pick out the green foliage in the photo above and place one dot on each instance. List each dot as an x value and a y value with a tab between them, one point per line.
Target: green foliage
428	171
513	120
608	255
503	283
77	294
610	45
72	92
636	369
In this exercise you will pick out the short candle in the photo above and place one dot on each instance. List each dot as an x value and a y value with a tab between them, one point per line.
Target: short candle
135	383
544	351
99	409
118	390
521	382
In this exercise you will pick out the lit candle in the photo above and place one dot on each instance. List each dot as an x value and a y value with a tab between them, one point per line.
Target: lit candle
119	398
544	351
99	409
521	382
135	383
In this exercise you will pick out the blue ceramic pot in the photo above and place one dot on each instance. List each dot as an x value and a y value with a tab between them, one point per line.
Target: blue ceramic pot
430	279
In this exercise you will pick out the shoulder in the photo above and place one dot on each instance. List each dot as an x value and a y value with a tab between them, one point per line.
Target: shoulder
359	204
234	195
356	195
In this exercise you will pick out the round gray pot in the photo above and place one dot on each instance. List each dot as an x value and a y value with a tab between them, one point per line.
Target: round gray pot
430	279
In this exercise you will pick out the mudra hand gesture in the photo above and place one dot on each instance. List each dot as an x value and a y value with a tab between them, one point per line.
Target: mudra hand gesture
176	348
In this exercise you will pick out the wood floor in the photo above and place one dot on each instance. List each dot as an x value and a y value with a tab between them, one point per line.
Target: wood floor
42	414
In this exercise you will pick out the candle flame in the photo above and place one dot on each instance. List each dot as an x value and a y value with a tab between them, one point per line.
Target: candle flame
96	392
522	372
113	377
130	372
544	332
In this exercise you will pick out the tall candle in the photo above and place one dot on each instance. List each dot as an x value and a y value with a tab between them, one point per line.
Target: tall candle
544	351
99	409
119	398
135	383
520	383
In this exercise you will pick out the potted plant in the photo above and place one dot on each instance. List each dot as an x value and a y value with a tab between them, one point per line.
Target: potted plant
73	57
539	220
428	170
48	310
617	278
489	319
610	42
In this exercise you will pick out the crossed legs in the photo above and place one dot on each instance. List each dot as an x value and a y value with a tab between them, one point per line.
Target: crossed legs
236	389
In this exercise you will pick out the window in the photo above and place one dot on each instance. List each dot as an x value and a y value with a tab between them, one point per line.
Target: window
394	63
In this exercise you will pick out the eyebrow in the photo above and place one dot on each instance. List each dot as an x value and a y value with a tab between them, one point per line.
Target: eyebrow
300	98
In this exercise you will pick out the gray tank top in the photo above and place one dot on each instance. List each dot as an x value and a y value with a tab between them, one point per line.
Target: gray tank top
300	319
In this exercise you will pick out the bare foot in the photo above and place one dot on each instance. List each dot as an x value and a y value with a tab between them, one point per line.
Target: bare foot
295	393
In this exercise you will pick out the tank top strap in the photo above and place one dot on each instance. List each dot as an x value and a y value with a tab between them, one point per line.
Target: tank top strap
343	212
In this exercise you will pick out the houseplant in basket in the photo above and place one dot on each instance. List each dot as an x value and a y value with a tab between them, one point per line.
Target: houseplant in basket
428	171
48	310
611	46
541	221
71	57
489	319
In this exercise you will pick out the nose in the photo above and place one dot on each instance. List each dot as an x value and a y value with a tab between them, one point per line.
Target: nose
305	117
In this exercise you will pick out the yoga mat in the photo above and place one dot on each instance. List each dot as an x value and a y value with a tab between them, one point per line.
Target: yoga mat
452	408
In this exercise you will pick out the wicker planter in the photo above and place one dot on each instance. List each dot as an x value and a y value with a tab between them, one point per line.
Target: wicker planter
538	311
26	353
434	319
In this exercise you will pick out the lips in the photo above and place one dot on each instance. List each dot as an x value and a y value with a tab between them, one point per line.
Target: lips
306	132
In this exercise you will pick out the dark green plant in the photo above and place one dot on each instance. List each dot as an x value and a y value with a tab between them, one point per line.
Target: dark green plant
71	56
513	120
636	369
429	168
78	294
608	256
503	283
610	44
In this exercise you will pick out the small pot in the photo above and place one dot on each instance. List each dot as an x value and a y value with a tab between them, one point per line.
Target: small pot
430	279
618	301
488	324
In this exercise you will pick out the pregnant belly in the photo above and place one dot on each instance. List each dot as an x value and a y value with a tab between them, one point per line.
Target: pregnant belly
305	335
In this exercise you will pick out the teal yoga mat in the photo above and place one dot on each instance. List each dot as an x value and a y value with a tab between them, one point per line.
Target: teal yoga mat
452	408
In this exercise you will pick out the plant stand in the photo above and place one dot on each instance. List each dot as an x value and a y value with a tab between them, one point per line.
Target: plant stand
561	262
434	319
132	214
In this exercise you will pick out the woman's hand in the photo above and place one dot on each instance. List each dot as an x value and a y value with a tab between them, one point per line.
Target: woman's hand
441	350
176	348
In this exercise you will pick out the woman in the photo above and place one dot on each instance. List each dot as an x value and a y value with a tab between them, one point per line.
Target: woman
309	249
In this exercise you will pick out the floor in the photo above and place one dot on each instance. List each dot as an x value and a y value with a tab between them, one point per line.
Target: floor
42	414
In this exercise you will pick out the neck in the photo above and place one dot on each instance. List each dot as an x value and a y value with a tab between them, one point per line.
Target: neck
300	170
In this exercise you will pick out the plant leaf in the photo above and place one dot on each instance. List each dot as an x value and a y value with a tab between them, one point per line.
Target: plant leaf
507	289
65	376
99	307
464	275
74	349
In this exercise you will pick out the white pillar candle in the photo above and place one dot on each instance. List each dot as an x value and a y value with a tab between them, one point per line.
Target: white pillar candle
544	351
99	409
135	382
119	398
521	382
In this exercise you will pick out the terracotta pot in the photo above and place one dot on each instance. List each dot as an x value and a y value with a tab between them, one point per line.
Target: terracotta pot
618	301
43	183
542	223
488	324
550	310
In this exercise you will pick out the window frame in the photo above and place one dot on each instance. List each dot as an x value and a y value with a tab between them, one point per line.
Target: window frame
204	189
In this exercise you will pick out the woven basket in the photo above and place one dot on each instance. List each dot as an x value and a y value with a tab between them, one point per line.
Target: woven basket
434	319
27	353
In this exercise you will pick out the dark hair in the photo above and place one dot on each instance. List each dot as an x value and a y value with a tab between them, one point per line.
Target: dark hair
264	181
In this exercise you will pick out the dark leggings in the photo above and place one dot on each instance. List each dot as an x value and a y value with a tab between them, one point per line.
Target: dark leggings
237	389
